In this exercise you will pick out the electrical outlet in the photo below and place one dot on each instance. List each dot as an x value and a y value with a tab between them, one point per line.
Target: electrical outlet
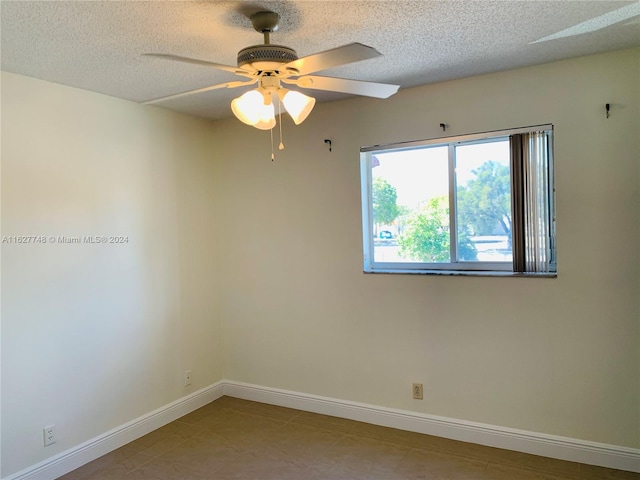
187	378
417	391
49	435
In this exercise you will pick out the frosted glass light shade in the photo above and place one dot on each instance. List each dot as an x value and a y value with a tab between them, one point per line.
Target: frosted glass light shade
251	109
246	107
298	105
267	117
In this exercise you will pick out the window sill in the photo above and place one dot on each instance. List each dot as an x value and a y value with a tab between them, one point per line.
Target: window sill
465	273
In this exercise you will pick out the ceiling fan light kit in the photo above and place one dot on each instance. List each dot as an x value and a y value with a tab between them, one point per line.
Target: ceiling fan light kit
271	65
255	107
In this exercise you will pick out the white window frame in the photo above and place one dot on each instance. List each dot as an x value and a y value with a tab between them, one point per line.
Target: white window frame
454	267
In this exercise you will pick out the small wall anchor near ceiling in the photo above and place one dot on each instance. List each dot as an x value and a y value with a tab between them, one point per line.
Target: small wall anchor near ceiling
326	140
443	126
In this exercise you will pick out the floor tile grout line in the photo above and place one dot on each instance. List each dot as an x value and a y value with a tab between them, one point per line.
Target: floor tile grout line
102	470
173	462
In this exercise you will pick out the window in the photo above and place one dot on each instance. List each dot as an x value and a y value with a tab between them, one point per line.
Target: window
481	203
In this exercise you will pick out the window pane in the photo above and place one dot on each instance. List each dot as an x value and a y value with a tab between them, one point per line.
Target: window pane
483	201
410	194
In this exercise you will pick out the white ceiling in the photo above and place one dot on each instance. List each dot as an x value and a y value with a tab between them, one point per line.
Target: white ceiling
97	45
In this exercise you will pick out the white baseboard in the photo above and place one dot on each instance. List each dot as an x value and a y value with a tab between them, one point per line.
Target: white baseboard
552	446
75	457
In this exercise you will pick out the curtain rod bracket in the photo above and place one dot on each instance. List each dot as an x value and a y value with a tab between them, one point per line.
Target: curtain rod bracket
443	126
607	107
326	140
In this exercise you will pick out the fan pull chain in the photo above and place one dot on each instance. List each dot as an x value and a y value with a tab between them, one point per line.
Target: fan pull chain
272	154
281	146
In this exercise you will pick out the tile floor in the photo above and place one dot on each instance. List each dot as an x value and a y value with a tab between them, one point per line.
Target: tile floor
237	439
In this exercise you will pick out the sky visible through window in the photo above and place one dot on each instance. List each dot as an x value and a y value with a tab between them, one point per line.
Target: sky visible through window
421	174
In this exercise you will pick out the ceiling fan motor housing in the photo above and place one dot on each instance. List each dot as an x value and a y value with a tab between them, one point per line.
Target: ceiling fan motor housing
266	57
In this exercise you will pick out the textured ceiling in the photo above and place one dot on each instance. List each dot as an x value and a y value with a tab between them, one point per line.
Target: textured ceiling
97	45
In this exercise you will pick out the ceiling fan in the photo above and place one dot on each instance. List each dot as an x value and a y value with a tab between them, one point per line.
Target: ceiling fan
270	66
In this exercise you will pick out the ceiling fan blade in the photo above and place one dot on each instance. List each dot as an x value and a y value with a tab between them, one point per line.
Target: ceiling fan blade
195	61
353	52
200	90
356	87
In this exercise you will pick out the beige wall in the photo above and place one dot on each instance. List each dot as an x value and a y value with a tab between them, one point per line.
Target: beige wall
94	336
557	356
